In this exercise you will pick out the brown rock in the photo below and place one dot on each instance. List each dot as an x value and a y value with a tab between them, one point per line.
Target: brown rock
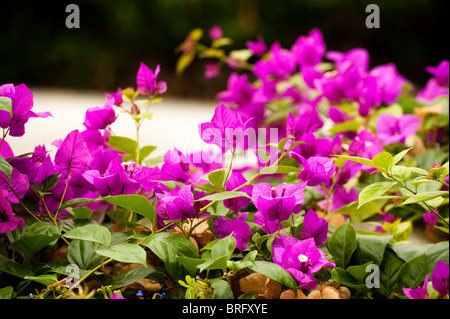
290	294
315	294
329	292
344	292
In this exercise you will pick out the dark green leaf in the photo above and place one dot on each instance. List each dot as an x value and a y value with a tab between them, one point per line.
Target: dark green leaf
413	272
82	253
342	244
13	268
50	182
137	203
6	292
126	253
222	289
133	275
389	270
275	272
5	167
31	245
371	248
94	233
167	247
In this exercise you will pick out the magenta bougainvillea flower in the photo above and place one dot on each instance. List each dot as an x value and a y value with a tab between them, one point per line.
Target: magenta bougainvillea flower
117	97
440	278
391	129
7	220
369	95
280	64
21	105
354	58
430	218
317	170
176	166
431	91
440	72
301	258
314	227
235	180
211	70
258	47
16	187
278	203
309	50
114	181
225	130
147	81
98	118
176	205
238	227
215	33
419	292
390	82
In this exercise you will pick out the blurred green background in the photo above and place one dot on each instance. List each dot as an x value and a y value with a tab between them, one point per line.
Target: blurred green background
115	36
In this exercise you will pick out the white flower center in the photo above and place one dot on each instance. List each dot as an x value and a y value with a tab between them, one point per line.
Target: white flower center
303	258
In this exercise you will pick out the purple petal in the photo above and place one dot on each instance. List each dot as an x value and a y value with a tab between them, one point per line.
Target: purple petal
73	155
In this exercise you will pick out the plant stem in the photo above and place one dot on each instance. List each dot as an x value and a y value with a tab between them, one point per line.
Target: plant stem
431	210
87	276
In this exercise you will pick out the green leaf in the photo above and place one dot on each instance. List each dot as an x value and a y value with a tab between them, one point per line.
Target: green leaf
126	253
222	289
75	201
146	115
275	272
171	184
436	252
342	244
13	268
283	142
94	233
6	105
360	160
389	270
46	280
123	144
359	272
358	214
223	196
220	254
81	213
406	251
373	191
130	276
31	245
136	203
145	151
184	61
413	272
349	126
6	292
217	178
82	253
397	158
154	161
279	170
401	173
167	247
371	248
5	167
383	160
423	197
50	182
345	278
43	228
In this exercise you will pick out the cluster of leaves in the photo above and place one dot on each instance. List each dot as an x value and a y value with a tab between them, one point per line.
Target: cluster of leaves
101	220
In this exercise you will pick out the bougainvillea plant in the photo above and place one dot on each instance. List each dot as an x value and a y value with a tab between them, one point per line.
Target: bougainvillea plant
316	171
